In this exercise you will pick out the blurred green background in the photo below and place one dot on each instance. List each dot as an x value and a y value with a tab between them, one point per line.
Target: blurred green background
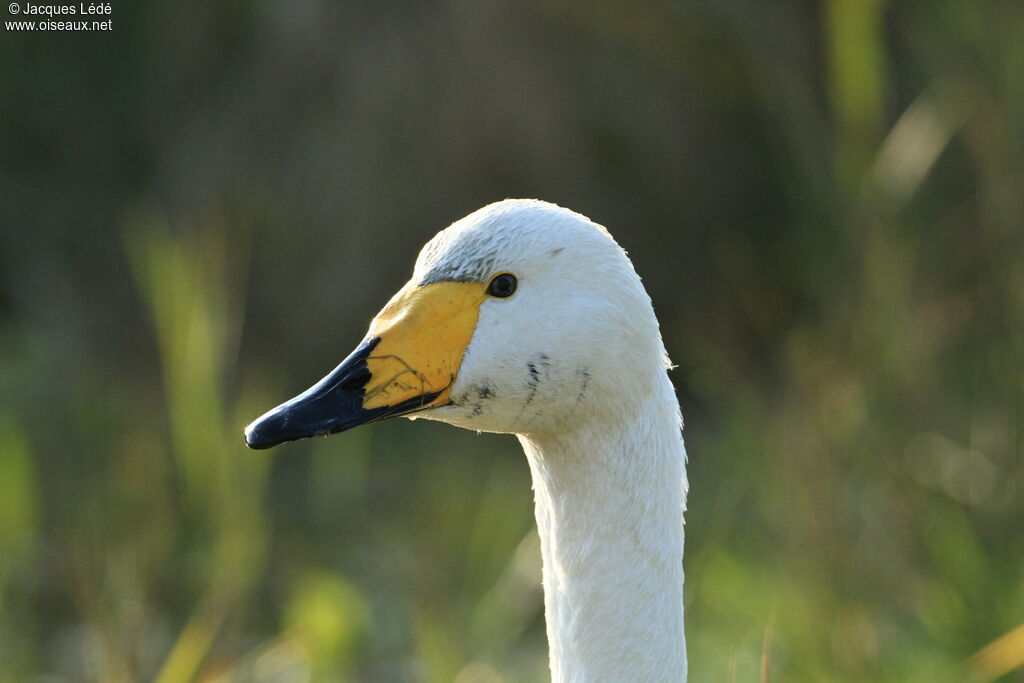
202	209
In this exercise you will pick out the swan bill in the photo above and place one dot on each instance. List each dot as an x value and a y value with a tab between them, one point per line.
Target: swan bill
407	363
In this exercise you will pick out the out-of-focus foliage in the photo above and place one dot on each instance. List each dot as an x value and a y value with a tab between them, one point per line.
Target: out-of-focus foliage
203	207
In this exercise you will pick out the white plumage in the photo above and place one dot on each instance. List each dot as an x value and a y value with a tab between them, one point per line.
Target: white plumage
574	365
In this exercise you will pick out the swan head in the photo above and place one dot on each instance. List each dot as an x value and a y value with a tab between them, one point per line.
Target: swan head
520	318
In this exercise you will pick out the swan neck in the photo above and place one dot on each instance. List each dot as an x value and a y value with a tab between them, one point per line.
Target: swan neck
609	501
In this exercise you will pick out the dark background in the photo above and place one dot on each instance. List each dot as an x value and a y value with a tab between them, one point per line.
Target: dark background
203	207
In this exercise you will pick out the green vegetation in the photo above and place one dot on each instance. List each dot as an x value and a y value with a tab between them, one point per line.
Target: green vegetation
204	207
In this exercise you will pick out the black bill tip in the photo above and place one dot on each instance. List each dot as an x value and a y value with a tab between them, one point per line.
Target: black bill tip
332	405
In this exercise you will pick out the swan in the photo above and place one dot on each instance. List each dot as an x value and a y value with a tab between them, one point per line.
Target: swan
527	318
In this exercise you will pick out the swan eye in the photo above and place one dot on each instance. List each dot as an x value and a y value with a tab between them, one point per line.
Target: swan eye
502	286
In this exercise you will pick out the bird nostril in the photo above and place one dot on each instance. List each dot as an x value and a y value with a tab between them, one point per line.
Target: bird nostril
357	379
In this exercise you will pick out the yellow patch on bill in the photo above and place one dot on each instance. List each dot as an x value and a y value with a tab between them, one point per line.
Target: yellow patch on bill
423	333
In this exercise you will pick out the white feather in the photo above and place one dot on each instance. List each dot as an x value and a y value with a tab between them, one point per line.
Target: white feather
573	364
